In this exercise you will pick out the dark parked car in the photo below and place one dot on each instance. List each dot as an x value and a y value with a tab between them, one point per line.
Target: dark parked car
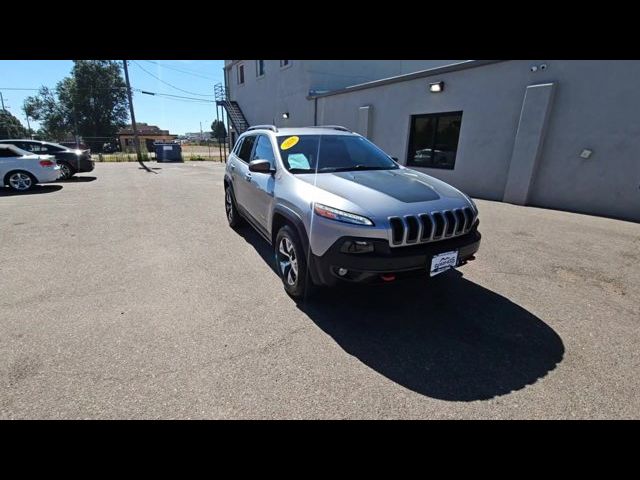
74	145
71	161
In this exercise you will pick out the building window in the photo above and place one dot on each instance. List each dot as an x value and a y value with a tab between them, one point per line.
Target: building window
240	74
433	140
285	63
259	68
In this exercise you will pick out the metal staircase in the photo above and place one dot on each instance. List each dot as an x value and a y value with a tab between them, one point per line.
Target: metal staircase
234	112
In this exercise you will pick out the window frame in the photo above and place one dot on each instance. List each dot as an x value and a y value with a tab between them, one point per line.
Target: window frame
410	146
285	66
240	74
258	64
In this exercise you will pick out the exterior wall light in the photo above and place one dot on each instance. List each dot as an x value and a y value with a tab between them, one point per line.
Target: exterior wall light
285	115
436	87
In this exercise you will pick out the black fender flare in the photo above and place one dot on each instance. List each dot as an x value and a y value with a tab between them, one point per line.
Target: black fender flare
294	219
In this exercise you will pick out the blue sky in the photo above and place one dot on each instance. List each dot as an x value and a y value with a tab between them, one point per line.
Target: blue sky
178	116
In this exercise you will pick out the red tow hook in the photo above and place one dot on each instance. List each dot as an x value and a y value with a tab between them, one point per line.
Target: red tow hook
390	277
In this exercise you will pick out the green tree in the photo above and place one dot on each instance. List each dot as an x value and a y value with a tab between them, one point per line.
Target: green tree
91	102
55	123
218	130
10	126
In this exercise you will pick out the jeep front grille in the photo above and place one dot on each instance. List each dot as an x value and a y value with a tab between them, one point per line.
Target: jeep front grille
429	227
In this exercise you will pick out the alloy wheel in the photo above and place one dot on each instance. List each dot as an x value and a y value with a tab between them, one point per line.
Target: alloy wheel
228	205
65	171
20	181
288	261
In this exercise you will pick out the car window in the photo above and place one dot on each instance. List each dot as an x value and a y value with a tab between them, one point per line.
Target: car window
236	149
30	147
52	148
264	150
247	148
6	152
19	145
331	153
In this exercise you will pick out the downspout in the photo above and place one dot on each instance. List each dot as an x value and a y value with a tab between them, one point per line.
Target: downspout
315	112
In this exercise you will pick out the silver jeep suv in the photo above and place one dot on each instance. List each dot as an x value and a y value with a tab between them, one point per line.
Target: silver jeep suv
337	208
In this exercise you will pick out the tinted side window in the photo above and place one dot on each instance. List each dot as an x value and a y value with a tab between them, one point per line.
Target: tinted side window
52	149
246	148
22	145
31	147
5	152
264	150
236	149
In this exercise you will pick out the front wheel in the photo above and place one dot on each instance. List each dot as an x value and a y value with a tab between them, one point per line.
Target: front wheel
20	181
292	264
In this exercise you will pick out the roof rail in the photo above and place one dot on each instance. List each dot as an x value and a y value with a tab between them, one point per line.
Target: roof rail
273	128
334	127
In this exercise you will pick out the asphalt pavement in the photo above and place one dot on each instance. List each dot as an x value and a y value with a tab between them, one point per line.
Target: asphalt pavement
124	294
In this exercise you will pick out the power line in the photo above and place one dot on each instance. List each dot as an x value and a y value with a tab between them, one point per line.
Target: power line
167	83
170	96
188	72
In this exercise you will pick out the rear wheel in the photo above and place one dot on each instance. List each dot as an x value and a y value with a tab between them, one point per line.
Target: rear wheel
292	264
233	217
66	171
20	181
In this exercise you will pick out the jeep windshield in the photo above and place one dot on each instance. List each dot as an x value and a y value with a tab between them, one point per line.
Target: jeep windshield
331	153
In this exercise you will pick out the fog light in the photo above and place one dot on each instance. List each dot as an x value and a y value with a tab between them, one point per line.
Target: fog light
342	272
357	246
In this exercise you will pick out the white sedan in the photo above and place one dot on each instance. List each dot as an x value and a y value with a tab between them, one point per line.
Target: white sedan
21	170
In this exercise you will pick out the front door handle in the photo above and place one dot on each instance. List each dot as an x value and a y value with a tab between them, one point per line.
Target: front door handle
247	177
233	166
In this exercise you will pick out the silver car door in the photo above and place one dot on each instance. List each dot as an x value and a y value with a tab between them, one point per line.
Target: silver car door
261	185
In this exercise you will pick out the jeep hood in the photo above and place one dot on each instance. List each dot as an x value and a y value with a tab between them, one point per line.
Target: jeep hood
373	186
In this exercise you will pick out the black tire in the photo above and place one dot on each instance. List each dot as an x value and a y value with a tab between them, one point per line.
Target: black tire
289	253
20	181
233	217
66	171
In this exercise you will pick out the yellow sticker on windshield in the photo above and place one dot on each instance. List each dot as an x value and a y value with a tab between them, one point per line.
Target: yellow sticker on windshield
289	142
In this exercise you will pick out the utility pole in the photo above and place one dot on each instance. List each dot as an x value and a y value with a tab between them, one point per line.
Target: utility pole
29	127
3	109
136	140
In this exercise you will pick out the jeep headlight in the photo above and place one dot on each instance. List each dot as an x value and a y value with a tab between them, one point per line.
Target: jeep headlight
340	215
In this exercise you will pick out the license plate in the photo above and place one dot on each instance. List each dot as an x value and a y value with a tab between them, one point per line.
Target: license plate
443	262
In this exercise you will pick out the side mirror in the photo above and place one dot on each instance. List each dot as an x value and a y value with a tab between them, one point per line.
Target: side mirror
260	166
395	159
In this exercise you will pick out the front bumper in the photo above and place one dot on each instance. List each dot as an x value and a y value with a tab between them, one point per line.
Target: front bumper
384	260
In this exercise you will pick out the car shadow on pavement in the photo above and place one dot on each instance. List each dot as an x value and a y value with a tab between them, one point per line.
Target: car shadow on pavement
76	179
447	337
36	190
